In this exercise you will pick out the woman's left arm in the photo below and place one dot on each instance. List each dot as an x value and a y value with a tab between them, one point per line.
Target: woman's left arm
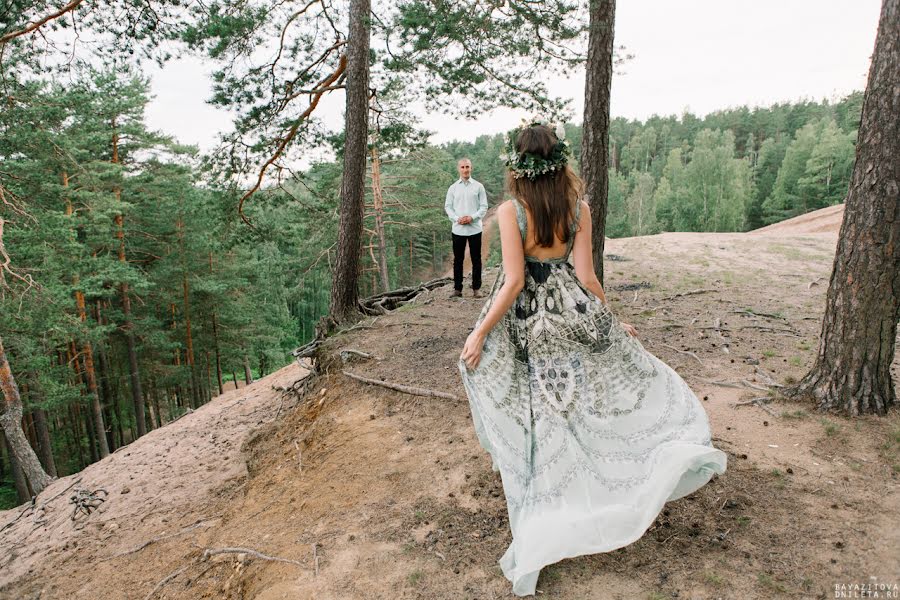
514	273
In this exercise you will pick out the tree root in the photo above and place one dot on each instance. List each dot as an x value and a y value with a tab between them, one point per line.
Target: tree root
399	387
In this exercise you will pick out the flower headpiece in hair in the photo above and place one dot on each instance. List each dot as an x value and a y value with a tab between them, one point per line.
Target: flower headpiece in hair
531	166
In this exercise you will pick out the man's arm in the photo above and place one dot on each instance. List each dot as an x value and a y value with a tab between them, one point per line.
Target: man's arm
482	204
448	206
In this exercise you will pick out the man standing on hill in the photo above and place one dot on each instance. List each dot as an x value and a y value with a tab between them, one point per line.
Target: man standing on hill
466	205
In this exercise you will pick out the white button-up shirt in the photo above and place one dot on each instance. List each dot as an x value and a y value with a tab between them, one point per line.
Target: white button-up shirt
466	198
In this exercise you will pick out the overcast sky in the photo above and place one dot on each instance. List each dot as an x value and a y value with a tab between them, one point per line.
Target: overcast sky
697	55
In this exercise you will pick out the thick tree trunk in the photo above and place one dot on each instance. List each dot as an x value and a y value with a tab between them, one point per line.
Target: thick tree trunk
856	346
18	476
345	277
45	446
11	421
595	143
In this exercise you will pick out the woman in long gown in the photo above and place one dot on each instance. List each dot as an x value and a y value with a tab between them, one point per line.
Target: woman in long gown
591	433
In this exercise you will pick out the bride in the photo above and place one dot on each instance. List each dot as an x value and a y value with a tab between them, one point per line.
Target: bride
591	433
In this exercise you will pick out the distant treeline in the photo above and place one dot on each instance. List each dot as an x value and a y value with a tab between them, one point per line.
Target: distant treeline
733	170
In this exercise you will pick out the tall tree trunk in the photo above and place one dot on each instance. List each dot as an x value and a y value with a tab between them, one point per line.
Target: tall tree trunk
378	202
215	330
137	396
11	421
90	376
45	446
248	375
109	401
345	278
189	341
856	345
74	408
88	360
595	143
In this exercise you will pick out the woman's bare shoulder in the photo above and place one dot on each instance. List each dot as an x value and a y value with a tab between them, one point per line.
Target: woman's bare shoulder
506	208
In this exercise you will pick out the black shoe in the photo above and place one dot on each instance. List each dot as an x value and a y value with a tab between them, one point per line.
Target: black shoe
456	294
477	294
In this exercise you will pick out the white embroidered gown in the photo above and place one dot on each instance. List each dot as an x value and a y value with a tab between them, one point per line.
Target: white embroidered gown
591	433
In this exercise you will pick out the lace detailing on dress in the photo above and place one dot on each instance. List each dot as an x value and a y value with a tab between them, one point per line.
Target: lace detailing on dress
581	421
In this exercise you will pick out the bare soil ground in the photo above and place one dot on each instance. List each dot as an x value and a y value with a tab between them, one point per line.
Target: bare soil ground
378	494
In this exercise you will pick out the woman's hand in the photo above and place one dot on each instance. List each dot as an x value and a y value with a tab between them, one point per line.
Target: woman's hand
471	352
629	329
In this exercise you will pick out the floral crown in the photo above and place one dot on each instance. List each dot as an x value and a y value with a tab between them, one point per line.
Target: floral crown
529	165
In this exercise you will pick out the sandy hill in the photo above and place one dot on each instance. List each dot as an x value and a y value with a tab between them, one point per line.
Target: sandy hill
353	491
824	220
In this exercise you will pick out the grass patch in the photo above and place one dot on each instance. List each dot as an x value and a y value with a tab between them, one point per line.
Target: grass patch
794	414
415	577
795	361
791	253
743	520
831	428
890	449
766	581
713	579
657	596
769	353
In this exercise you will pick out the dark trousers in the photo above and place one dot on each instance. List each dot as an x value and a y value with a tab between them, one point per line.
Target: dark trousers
459	252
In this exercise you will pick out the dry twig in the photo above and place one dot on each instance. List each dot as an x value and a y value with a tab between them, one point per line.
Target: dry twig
685	352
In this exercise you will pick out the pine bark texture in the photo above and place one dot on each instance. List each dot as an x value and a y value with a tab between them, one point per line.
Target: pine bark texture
595	143
856	346
345	279
11	421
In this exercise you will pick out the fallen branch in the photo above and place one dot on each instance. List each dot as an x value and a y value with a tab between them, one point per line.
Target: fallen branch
166	580
385	302
250	552
722	383
347	352
767	377
753	313
690	293
754	386
685	352
399	387
159	539
772	329
760	402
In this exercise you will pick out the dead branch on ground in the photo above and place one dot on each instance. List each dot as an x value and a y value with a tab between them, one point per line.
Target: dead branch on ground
399	387
685	352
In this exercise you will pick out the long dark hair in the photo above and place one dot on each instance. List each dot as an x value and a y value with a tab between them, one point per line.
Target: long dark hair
550	197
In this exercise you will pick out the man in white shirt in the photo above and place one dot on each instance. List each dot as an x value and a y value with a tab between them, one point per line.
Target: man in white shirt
466	205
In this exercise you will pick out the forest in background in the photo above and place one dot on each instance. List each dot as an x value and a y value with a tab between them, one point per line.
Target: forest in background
145	292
